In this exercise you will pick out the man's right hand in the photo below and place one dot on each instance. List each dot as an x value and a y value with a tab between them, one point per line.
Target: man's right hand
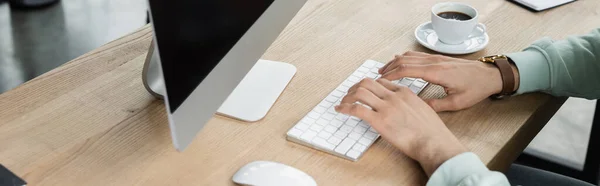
466	82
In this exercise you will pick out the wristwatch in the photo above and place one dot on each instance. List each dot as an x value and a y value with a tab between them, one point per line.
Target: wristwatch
508	77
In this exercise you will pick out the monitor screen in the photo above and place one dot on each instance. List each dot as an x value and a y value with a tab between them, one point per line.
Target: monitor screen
194	35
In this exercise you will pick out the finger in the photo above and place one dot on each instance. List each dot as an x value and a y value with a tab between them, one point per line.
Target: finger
425	72
448	103
364	96
388	84
371	85
388	64
409	60
416	53
356	110
407	53
423	54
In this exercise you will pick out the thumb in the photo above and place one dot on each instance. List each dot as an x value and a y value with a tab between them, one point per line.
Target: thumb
449	103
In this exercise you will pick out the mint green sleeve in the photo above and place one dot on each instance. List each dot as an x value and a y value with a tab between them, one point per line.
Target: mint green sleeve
569	67
466	169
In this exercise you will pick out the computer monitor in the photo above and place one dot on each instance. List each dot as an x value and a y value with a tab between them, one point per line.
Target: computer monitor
205	49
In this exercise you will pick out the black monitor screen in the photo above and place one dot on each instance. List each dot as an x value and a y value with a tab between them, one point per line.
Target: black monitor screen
194	35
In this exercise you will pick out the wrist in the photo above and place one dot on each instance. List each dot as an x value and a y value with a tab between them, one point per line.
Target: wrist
432	152
494	78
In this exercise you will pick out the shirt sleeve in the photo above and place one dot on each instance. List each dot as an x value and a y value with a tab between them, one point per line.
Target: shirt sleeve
466	169
569	67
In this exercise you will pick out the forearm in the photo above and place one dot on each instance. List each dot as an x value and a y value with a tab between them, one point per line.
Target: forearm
568	67
432	151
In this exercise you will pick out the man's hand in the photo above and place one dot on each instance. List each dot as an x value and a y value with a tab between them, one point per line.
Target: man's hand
404	120
466	82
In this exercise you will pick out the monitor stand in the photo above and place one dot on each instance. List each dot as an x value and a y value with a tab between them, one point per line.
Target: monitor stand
249	101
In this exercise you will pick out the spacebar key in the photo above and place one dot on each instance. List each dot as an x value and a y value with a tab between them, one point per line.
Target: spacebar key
345	146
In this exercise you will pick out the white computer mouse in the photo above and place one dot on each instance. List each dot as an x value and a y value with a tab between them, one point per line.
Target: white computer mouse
267	173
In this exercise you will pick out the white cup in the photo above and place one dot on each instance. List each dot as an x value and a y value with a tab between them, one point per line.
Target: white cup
452	31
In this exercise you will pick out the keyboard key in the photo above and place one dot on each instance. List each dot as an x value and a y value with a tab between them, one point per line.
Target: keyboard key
316	127
326	104
330	128
360	130
314	115
302	126
343	88
346	128
354	136
336	123
332	110
331	99
340	134
359	147
369	64
355	118
405	82
337	93
328	116
324	134
362	69
373	130
319	109
375	70
343	147
353	79
294	132
364	124
365	141
348	83
334	140
419	84
342	117
352	123
322	122
354	154
322	143
307	120
379	65
414	89
370	135
372	75
308	136
411	79
358	74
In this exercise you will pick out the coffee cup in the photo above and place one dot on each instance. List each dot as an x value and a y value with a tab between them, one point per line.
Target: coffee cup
454	22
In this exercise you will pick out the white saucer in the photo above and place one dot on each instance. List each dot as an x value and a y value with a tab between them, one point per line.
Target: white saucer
428	38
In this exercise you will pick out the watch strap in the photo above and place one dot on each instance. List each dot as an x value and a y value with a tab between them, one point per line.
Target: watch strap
508	77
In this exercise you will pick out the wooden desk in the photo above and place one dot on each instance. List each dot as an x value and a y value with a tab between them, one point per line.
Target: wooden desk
91	122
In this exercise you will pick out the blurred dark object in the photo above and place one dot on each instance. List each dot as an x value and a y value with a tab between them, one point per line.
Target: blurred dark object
2	1
9	178
29	4
591	167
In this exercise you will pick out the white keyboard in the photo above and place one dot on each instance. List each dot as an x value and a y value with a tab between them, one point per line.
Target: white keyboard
341	135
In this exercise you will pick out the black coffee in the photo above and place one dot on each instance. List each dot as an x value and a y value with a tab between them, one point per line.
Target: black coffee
455	15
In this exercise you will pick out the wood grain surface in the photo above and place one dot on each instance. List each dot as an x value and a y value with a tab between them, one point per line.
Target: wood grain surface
91	122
